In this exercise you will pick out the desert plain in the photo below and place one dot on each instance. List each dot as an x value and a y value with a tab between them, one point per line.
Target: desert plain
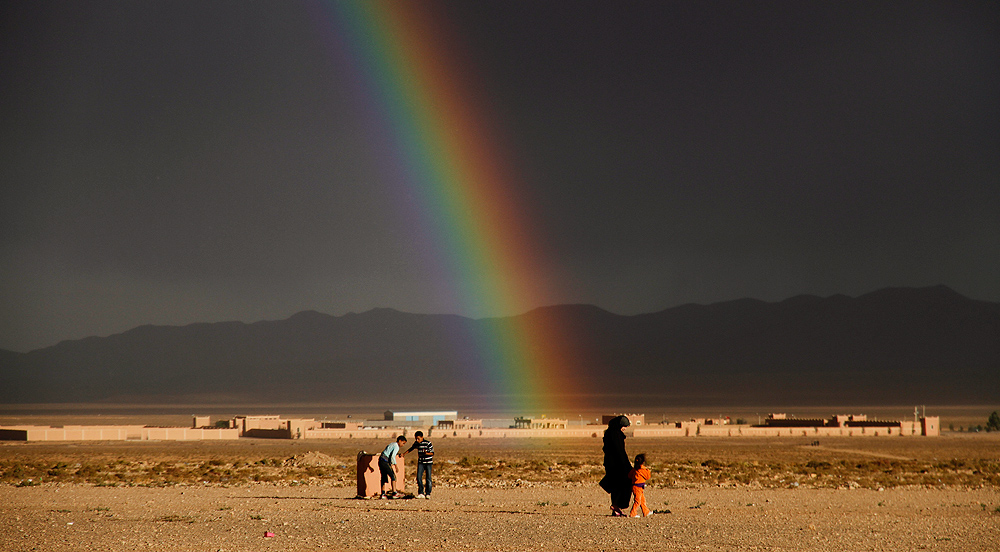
848	493
708	493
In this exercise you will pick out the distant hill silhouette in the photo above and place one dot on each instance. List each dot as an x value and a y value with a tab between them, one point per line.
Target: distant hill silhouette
892	346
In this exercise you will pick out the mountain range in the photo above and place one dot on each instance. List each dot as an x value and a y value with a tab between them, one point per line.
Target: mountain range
892	346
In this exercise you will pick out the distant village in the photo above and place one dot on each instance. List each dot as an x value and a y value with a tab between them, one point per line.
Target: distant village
447	424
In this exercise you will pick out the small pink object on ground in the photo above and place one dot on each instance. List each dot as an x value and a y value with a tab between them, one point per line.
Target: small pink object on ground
268	534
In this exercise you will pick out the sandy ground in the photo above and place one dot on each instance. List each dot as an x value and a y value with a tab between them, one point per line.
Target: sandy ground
539	517
541	494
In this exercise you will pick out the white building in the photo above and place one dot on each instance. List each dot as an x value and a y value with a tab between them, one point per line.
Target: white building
420	418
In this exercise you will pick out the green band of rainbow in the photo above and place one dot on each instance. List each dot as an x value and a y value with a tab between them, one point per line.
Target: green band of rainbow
465	193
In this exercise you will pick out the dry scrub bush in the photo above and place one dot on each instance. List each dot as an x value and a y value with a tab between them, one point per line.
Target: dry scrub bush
570	467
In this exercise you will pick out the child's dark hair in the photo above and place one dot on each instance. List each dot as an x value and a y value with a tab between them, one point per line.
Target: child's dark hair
418	434
401	438
640	459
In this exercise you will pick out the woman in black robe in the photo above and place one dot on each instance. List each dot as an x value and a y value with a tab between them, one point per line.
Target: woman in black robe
616	466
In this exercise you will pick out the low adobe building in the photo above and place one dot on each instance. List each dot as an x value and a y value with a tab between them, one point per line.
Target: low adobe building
274	426
539	423
453	425
198	432
925	425
782	425
634	419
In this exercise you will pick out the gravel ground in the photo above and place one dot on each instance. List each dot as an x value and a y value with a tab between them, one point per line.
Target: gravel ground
541	516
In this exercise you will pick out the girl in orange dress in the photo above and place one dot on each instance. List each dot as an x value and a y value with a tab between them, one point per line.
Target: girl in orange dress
639	476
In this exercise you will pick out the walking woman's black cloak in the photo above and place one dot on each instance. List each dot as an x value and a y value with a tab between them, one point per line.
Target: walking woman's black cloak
617	464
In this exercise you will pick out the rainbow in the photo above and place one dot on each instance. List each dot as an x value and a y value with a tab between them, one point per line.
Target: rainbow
415	89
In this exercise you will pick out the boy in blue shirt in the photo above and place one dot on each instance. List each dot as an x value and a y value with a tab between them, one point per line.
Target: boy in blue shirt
387	466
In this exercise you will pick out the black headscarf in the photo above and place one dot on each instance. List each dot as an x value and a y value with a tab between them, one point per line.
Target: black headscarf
616	463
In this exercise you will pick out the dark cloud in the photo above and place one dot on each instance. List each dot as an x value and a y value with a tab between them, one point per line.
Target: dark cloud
179	162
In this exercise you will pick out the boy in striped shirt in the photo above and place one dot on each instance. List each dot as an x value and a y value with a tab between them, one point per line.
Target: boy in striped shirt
425	461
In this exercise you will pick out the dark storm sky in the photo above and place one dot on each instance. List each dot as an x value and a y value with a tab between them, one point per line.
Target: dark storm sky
177	162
